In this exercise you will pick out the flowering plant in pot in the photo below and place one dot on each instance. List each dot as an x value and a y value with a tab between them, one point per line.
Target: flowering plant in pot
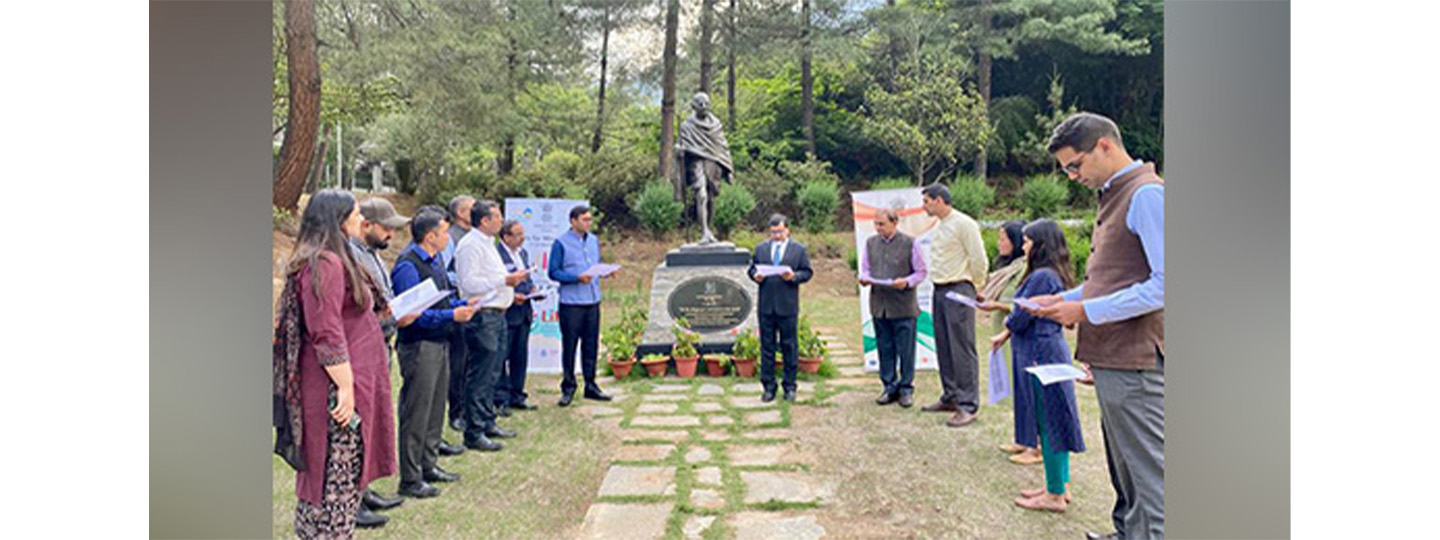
812	348
683	351
746	353
655	364
716	364
619	351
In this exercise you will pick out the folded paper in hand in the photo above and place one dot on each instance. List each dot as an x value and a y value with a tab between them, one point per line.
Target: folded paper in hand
1027	304
767	270
953	295
601	270
539	294
880	282
416	299
999	381
1053	373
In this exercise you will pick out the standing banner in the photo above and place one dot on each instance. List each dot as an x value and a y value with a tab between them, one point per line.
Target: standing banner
908	203
544	221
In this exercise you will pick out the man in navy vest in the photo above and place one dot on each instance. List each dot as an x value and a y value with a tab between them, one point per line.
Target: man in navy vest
424	345
510	391
779	308
573	253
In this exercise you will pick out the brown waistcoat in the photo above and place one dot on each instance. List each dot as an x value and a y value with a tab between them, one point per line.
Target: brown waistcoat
1117	260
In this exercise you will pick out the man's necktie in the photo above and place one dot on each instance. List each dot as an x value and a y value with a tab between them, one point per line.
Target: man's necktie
775	254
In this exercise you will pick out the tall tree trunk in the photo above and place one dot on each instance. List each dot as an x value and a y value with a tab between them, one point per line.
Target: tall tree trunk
604	61
730	64
892	51
982	159
304	115
312	181
807	82
667	101
707	8
506	161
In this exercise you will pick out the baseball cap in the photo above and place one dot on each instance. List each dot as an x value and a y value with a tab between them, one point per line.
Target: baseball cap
379	210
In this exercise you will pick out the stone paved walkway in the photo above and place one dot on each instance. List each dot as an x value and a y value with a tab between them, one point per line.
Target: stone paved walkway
706	458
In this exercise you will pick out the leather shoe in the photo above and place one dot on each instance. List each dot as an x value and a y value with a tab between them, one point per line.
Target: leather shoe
941	406
484	444
457	424
419	490
906	401
1092	535
960	419
597	395
374	501
790	395
496	432
447	449
885	398
436	474
365	519
523	406
565	399
768	396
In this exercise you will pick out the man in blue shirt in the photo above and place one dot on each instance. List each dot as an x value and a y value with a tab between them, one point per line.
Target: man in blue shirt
1120	309
571	255
423	349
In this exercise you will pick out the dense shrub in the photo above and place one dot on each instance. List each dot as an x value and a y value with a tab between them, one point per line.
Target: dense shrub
971	196
732	206
439	191
613	177
656	208
1078	240
818	200
992	244
1042	195
773	193
746	239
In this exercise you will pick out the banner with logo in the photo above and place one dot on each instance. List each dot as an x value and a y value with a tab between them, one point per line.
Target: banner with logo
913	221
544	221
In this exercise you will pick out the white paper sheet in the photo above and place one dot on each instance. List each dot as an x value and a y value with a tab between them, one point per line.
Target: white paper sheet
1053	373
1026	303
953	295
416	299
601	270
767	270
999	380
880	282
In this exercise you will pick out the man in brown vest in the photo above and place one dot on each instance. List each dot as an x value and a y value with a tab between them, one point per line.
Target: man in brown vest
893	266
1121	312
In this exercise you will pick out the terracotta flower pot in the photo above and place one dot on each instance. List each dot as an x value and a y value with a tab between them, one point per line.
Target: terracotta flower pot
685	367
744	367
810	365
621	369
714	367
656	369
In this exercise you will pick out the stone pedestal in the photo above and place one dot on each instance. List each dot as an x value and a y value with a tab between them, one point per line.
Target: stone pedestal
708	286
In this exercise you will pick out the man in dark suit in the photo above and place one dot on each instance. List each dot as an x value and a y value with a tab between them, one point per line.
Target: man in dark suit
779	309
510	393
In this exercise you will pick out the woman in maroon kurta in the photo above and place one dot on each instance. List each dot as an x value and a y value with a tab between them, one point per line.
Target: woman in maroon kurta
343	356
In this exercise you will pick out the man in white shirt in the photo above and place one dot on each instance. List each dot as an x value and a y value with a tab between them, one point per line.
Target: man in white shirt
482	275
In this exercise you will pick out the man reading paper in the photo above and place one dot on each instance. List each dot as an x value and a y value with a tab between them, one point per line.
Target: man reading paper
894	263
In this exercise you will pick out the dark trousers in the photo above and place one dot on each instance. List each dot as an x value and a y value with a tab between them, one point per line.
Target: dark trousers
955	347
1132	419
895	344
485	338
773	329
579	324
511	388
458	355
425	366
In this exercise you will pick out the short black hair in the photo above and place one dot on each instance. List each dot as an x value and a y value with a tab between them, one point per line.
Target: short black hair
937	191
578	211
426	220
1081	131
777	220
508	227
480	211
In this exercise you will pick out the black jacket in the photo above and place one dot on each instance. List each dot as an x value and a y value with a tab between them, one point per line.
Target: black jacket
777	296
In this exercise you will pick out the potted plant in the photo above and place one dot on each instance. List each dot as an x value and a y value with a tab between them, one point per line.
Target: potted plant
655	364
683	351
812	348
619	351
746	353
716	364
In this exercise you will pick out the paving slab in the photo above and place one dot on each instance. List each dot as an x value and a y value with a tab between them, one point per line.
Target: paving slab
708	475
631	521
623	480
644	452
765	486
670	388
657	408
650	434
772	526
764	417
711	390
750	402
761	454
706	499
697	454
664	421
706	407
719	420
696	526
748	388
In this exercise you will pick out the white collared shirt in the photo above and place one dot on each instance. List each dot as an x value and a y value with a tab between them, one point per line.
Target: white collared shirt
481	271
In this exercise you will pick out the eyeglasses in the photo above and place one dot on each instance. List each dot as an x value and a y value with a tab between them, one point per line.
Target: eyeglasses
1074	166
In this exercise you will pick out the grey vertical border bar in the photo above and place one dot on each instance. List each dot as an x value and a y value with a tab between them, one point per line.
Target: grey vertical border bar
1227	151
210	85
